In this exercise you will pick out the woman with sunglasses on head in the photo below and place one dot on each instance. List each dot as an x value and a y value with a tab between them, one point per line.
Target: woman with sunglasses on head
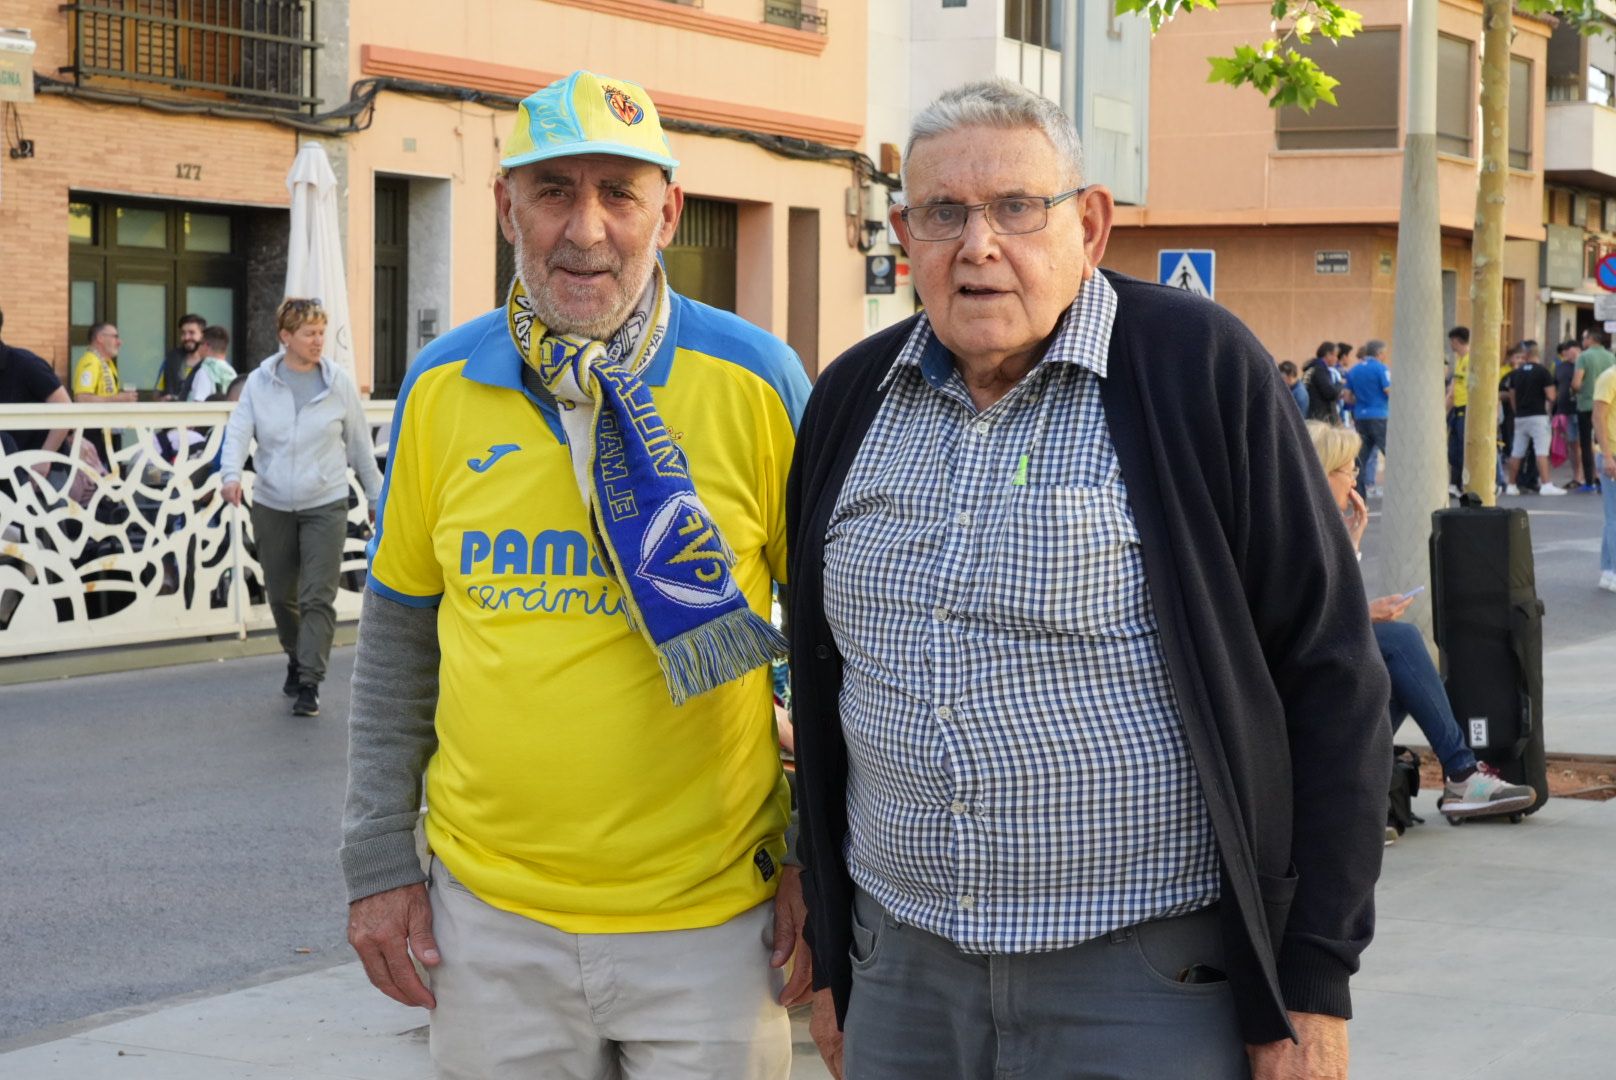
303	412
1471	789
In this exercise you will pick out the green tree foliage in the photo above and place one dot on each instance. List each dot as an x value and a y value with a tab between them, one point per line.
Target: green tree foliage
1274	67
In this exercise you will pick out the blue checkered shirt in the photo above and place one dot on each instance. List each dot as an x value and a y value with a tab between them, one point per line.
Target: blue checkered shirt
1018	778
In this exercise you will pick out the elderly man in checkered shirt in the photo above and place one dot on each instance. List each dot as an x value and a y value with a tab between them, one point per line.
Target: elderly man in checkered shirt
1090	724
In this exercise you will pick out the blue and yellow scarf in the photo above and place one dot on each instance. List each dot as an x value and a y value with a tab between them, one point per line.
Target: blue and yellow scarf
655	536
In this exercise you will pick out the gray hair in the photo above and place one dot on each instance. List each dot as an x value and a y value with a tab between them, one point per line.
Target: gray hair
1374	348
997	103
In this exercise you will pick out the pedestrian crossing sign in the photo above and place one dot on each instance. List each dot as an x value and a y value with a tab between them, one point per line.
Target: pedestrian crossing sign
1190	270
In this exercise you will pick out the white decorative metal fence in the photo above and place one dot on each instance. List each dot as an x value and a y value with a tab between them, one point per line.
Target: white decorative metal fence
147	552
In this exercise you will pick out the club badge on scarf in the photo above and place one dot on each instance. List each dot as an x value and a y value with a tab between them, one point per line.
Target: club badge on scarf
657	538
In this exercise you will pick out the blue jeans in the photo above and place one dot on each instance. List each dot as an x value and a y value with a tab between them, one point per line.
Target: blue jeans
1373	434
1607	546
1417	691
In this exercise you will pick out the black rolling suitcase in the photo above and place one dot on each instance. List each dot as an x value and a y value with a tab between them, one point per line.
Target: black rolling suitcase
1488	622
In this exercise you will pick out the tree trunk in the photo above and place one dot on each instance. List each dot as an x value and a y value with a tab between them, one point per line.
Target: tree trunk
1418	431
1487	288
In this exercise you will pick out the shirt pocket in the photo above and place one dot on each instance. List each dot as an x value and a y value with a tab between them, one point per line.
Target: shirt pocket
1068	561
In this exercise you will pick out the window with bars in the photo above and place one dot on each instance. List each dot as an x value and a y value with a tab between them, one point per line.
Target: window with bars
258	52
1033	22
797	14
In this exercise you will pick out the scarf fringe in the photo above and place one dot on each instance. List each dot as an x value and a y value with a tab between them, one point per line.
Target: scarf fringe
717	652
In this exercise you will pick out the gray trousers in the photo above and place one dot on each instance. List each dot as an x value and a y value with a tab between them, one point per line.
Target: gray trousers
1114	1008
519	1000
301	553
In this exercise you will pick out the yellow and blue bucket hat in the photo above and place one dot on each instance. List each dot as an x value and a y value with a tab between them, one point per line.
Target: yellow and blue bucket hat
587	113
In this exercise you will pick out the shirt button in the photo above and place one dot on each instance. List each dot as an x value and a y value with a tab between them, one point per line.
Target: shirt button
940	614
983	427
822	652
956	807
963	519
967	901
944	713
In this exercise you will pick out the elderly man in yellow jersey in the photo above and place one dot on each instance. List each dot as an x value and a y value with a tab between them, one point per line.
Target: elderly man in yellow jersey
564	632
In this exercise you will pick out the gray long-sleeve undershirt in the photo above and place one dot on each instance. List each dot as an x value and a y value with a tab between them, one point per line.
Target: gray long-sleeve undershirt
391	735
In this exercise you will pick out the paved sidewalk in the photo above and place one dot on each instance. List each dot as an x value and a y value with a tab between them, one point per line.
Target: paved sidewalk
1579	697
1495	960
325	1024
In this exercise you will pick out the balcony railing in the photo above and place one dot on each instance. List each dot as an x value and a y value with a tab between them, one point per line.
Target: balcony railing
797	15
257	52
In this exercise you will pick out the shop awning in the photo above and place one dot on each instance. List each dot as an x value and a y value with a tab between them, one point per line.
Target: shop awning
1561	296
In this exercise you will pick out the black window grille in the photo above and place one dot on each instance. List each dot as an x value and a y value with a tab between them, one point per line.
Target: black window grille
257	52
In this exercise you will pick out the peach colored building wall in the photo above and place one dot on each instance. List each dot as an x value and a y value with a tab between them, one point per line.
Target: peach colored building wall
1218	181
718	65
110	149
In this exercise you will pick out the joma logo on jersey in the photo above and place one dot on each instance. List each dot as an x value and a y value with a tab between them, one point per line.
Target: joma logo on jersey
553	551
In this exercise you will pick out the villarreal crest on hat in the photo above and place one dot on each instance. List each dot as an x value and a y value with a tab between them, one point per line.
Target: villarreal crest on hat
587	113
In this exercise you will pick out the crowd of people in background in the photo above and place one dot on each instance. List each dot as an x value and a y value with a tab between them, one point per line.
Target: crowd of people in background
1549	416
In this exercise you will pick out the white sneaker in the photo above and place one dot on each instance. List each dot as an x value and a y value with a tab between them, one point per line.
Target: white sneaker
1484	792
1454	492
1551	489
1511	489
1607	580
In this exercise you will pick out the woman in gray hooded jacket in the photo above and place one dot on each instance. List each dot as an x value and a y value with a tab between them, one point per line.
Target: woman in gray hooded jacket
304	414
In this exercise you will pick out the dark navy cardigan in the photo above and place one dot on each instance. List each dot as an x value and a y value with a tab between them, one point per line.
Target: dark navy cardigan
1263	624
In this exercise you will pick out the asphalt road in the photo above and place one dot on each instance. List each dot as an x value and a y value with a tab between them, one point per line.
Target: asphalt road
1565	540
165	831
175	830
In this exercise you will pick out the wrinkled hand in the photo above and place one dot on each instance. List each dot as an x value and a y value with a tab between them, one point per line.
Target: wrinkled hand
385	929
231	491
827	1036
790	916
1388	608
1357	517
1321	1054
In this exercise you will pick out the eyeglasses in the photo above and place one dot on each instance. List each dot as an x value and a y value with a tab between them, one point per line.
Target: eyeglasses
1011	216
1350	469
304	304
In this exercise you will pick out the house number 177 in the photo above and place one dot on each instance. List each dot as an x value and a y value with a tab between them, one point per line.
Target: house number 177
187	171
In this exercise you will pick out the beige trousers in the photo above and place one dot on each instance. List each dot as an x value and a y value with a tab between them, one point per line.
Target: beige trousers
519	999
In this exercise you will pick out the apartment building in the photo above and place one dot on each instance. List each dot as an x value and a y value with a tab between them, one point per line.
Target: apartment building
1078	52
1299	210
147	177
764	234
1579	199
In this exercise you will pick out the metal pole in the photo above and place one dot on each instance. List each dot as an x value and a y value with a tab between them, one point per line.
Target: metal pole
238	580
1418	427
1072	67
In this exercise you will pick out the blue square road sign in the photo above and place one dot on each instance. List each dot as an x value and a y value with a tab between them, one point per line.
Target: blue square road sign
1188	269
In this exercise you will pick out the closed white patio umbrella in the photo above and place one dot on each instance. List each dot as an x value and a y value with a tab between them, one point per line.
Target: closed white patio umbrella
314	258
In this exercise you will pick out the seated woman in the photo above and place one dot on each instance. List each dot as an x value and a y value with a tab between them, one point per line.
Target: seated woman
1472	789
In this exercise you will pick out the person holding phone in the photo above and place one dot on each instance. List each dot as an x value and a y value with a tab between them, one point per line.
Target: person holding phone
1471	788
